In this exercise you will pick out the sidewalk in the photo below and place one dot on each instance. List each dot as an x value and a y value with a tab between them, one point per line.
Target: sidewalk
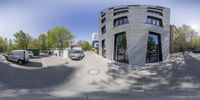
98	95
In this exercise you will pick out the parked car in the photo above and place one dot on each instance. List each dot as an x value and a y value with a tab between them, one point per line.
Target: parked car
197	50
30	53
19	56
76	54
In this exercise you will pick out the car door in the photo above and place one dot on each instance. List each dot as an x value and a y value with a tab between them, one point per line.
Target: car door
15	56
10	56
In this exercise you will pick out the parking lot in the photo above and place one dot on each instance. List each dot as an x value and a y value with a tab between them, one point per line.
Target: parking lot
38	62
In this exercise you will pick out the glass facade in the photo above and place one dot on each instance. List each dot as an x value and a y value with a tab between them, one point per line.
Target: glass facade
154	53
103	49
121	53
103	20
103	29
154	21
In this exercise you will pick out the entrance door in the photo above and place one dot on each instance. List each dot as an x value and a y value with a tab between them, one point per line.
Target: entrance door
154	53
121	48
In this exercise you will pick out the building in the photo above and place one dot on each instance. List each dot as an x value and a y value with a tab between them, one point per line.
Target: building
135	34
173	36
95	40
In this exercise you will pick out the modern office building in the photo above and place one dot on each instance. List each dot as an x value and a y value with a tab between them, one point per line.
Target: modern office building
135	34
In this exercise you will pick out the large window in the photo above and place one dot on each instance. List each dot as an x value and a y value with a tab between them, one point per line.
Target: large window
120	21
154	21
103	48
103	20
154	53
120	53
120	12
103	14
103	29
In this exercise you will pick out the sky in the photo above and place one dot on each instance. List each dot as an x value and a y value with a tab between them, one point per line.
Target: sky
80	16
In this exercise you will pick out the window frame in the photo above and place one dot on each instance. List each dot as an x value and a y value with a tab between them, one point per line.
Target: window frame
152	8
103	20
103	29
121	8
155	12
120	12
121	21
154	21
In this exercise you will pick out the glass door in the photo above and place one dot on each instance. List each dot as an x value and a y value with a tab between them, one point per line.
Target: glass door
154	53
121	53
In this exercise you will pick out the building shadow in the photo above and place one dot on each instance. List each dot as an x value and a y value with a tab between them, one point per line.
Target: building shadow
29	64
32	64
16	78
164	78
40	56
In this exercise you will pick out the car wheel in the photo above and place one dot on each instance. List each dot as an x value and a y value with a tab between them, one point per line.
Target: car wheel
20	62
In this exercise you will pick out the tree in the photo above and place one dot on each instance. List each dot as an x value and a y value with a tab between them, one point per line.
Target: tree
51	39
84	44
33	44
3	45
196	42
21	40
185	39
59	37
42	42
10	45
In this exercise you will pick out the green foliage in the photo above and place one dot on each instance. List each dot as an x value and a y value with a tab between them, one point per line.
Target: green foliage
33	44
84	44
21	40
59	37
196	42
42	42
186	37
152	44
3	45
51	39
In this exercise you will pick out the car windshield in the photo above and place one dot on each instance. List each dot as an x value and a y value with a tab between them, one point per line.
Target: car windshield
77	52
100	49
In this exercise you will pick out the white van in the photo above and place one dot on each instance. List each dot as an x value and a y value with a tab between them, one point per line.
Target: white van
19	56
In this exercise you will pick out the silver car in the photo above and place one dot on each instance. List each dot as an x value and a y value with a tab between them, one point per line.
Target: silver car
76	54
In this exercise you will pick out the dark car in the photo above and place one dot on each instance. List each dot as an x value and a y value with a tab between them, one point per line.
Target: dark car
197	50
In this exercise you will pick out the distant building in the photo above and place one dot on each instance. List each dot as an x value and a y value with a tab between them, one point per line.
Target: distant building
135	34
95	40
173	36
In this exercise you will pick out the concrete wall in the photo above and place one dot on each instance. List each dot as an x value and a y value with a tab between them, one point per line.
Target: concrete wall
137	32
65	53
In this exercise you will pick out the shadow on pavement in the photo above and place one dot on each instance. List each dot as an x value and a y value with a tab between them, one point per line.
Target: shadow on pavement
11	77
32	64
164	78
40	56
29	64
